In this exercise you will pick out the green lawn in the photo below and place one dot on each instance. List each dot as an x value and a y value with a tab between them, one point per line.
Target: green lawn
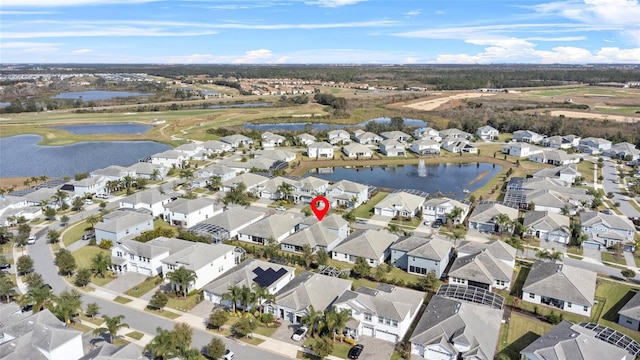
74	232
266	330
164	313
616	296
366	210
183	304
159	223
520	332
121	300
135	335
586	169
84	255
94	320
340	349
147	285
609	257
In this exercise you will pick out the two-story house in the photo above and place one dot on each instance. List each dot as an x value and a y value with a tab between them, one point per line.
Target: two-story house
144	258
320	150
237	140
338	137
151	199
440	208
418	255
528	136
487	133
207	261
400	203
188	212
607	230
371	245
169	159
122	223
348	193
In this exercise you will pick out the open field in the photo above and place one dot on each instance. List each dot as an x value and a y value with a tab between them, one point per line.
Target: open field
597	116
432	104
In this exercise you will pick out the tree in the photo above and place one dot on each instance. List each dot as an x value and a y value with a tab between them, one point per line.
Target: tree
335	320
428	282
83	277
111	326
394	228
322	347
50	213
93	219
233	296
100	263
307	255
216	348
217	318
53	236
66	262
243	327
24	231
350	216
158	300
24	264
379	272
312	319
40	297
77	204
247	298
503	221
33	279
237	195
184	336
59	197
285	190
7	289
67	305
163	345
361	268
92	309
215	182
322	258
454	215
64	220
261	295
180	279
628	273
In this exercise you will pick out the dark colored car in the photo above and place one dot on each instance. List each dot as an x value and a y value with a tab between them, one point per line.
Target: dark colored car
355	351
5	266
437	223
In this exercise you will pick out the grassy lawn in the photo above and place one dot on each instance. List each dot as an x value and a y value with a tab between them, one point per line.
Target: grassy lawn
147	285
411	224
636	259
366	210
84	255
74	232
266	330
81	327
121	300
520	332
135	335
94	320
183	304
164	313
616	295
340	349
609	257
159	223
586	168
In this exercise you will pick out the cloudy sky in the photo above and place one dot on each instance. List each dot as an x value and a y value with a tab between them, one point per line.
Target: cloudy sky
320	31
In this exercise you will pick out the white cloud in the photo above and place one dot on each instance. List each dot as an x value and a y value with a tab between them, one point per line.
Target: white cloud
104	32
22	45
413	12
57	3
439	12
83	51
333	3
197	59
255	57
22	12
410	60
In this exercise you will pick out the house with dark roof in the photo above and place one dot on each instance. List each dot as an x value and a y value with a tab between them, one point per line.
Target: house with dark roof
269	276
572	341
385	312
562	286
454	329
419	255
629	315
371	245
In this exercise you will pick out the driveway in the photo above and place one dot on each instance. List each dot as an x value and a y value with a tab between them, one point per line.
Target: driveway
125	282
203	309
375	348
284	332
592	254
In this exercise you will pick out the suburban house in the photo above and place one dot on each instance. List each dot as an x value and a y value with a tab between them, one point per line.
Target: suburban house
237	140
549	194
483	217
548	226
594	146
207	261
169	159
371	245
258	162
519	149
113	172
269	276
308	188
275	154
568	340
89	186
427	134
482	270
418	255
151	199
499	249
228	222
561	142
320	150
487	133
565	173
356	150
399	203
527	136
385	312
204	177
396	135
457	146
122	223
146	170
188	212
275	227
306	139
144	258
348	193
452	329
216	147
250	180
439	208
109	352
305	290
391	147
190	149
608	229
366	137
554	157
455	134
272	189
319	235
338	137
40	336
425	147
623	151
629	315
562	286
269	140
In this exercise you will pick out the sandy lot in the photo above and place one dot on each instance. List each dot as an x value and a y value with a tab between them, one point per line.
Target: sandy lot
433	104
584	115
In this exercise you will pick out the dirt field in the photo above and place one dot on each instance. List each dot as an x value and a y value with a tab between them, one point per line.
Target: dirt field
7	183
433	104
587	115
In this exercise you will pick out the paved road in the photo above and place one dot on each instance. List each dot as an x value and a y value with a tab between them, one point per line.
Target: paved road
609	184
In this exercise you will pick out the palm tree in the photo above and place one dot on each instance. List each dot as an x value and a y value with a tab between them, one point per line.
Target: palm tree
100	263
43	178
454	215
59	197
181	278
44	203
337	319
34	179
26	182
68	304
155	174
215	182
262	295
312	319
503	221
307	255
93	219
285	190
7	289
111	326
232	295
247	298
40	297
163	345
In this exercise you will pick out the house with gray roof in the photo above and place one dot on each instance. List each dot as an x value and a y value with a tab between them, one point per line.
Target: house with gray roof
204	175
519	149
561	286
233	220
123	224
216	147
275	154
308	188
147	170
306	139
527	136
548	226
269	139
629	315
555	157
249	179
89	186
623	151
169	159
400	203
396	135
190	149
144	258
320	150
113	172
559	142
458	146
348	193
356	150
455	329
419	255
610	229
108	351
440	208
371	245
385	312
269	276
258	162
272	188
391	147
333	222
275	227
425	147
316	236
483	217
455	134
481	270
152	200
366	137
498	248
565	173
572	341
40	336
487	132
594	146
207	261
338	137
188	212
237	140
305	290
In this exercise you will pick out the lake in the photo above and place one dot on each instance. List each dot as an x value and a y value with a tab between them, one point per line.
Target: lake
449	179
325	126
105	128
21	156
97	95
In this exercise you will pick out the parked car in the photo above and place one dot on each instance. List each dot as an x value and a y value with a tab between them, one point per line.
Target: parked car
228	355
31	240
427	222
88	201
437	223
362	221
299	333
102	196
5	266
88	236
280	208
607	211
355	351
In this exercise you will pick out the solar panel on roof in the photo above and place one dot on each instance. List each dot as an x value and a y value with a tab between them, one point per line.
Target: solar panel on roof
264	278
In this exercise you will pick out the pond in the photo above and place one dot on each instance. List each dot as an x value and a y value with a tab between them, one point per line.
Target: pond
449	179
97	95
105	128
21	156
301	126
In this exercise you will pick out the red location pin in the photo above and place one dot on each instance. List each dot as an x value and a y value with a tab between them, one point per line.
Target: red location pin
320	207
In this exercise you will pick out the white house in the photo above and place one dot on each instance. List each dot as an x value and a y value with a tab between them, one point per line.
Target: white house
275	227
237	140
455	134
338	137
146	170
204	176
123	223
348	193
527	136
356	150
565	173
483	217
400	203
623	151
385	312
320	150
188	212
190	149
482	270
594	146
169	158
144	258
457	146
487	133
558	142
548	226
520	149
207	261
439	208
272	189
307	139
366	137
396	135
152	200
391	147
216	147
427	134
554	157
425	147
317	237
269	140
418	255
234	219
371	245
89	186
250	180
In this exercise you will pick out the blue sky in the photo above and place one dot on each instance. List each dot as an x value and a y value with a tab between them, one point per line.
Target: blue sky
320	31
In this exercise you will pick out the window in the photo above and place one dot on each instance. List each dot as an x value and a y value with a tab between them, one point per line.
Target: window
500	283
628	321
380	320
221	268
119	253
586	308
387	321
568	304
132	257
394	323
532	296
368	317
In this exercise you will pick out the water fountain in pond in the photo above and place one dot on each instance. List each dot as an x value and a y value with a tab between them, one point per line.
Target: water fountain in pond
422	169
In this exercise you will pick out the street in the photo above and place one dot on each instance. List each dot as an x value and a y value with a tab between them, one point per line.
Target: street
610	184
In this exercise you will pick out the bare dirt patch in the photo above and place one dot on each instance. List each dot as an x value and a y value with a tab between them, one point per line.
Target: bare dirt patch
585	115
432	104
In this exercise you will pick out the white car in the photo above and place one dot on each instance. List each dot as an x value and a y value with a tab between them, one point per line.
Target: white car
88	201
281	208
228	355
32	240
299	333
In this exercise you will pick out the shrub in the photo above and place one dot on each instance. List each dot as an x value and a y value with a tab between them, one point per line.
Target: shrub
106	244
92	241
554	318
349	341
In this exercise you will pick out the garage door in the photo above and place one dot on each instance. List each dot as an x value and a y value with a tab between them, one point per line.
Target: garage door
367	331
386	336
590	245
